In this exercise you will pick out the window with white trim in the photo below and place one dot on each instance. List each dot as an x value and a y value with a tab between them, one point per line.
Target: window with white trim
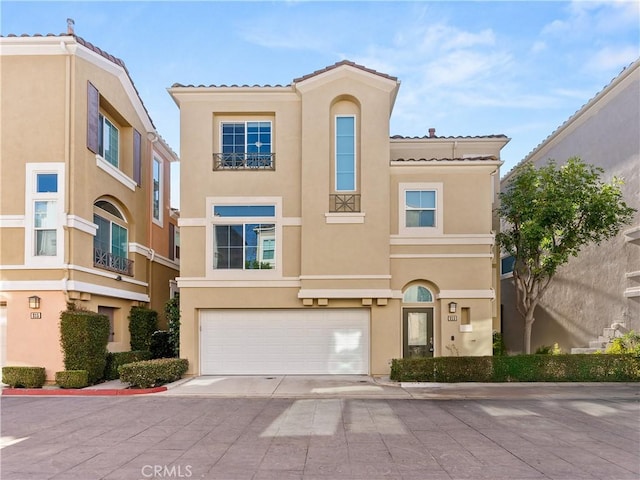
244	237
108	140
111	241
44	213
420	209
345	154
156	199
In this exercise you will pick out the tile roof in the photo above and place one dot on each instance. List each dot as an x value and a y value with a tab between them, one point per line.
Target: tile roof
94	49
427	137
179	85
487	158
340	64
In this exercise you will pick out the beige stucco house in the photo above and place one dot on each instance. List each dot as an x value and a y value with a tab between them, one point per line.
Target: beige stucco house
313	243
84	182
597	294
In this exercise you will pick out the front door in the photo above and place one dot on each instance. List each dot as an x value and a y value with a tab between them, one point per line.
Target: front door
417	332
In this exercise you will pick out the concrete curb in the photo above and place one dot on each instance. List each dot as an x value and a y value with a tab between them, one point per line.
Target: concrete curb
81	392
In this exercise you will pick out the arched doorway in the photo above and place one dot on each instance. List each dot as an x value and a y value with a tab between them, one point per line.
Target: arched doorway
417	322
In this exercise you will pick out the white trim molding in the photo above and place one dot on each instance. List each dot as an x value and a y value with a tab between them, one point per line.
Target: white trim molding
73	285
446	294
200	282
446	239
26	285
632	292
116	173
632	234
11	221
79	223
441	255
345	277
345	293
344	217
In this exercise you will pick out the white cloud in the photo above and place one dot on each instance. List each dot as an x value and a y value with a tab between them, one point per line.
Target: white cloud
610	58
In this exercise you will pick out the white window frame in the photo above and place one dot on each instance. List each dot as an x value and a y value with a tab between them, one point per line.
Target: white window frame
31	197
102	119
355	153
242	274
436	230
159	220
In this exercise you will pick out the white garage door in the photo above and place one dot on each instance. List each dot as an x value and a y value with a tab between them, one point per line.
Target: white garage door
280	342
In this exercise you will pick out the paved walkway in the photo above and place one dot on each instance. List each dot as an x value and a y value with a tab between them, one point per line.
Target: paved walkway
548	431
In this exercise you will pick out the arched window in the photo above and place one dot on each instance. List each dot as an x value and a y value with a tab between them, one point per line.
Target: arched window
111	242
417	294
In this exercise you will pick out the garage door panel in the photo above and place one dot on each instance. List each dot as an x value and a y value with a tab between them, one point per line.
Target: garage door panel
332	341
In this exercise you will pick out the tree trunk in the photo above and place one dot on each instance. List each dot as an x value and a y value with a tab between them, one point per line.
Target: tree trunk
528	324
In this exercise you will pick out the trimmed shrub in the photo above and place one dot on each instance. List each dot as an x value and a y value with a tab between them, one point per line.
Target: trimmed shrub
519	368
499	348
172	312
627	343
160	345
84	336
72	378
24	377
142	323
116	359
153	373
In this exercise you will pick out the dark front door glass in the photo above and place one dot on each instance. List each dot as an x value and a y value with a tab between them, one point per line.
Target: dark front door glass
418	332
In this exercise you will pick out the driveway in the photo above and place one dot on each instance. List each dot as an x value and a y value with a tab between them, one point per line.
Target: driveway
594	434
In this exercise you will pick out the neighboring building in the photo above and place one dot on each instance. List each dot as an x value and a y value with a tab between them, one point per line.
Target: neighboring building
316	244
84	182
600	287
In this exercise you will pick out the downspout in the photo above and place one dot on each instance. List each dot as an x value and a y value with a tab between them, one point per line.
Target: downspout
68	169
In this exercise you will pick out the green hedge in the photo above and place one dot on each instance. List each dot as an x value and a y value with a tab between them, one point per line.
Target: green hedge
161	345
117	359
72	378
519	368
84	336
152	373
24	377
142	323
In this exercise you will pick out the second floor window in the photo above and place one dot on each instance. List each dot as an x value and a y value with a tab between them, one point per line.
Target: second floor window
108	140
111	242
420	208
246	144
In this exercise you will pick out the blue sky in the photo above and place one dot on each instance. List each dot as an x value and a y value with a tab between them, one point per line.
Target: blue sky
466	68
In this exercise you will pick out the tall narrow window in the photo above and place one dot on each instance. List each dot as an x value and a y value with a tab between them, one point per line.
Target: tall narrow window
45	223
345	161
157	189
108	141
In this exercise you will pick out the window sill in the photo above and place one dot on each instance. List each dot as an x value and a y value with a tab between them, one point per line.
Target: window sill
351	217
115	173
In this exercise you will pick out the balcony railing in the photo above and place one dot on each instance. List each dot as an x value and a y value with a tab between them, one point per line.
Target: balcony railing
244	161
111	262
344	202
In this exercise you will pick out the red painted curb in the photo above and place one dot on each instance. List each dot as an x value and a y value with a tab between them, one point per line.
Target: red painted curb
90	392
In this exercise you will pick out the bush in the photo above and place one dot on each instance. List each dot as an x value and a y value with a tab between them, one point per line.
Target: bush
24	377
142	323
160	345
519	368
116	359
549	350
152	373
499	348
172	311
628	343
84	336
72	378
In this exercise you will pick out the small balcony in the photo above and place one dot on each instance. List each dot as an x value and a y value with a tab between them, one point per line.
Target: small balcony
244	161
344	202
111	262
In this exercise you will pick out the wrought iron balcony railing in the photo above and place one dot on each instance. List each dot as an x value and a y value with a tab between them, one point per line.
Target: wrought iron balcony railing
244	161
111	262
344	202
